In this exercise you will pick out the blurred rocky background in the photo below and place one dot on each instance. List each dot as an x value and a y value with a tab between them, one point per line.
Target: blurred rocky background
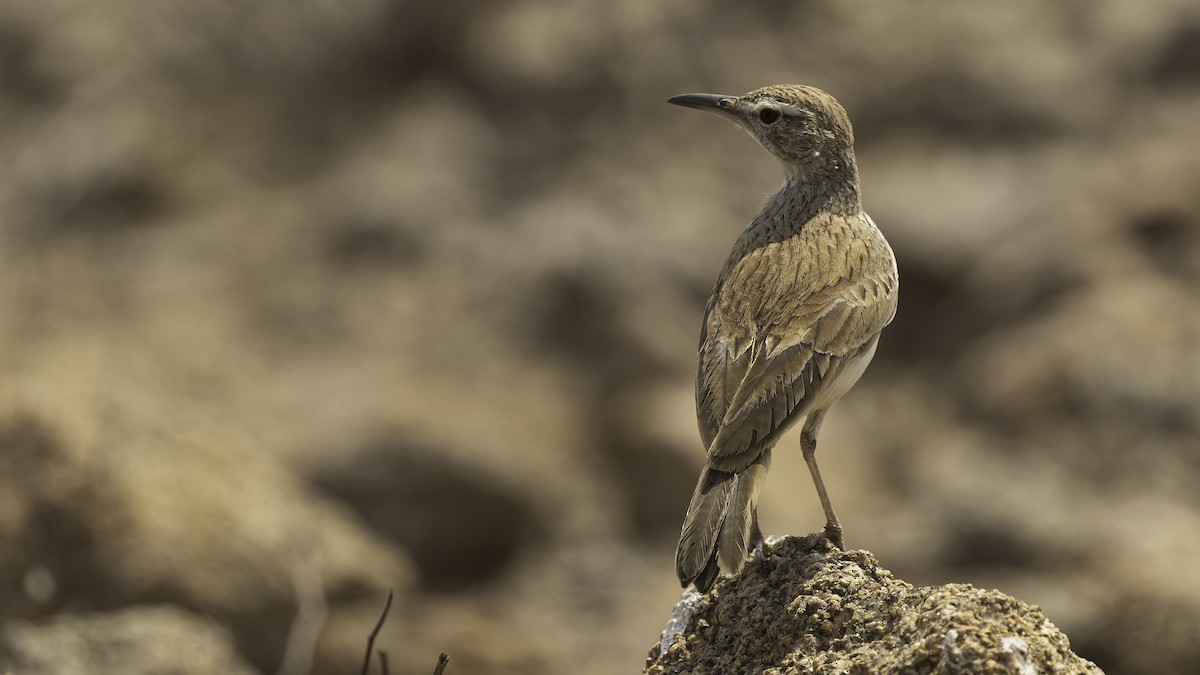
304	300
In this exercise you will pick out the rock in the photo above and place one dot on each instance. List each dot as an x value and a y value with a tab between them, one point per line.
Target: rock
144	639
809	608
205	525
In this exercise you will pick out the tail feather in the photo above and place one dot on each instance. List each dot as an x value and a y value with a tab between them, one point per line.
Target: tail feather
720	523
738	529
702	525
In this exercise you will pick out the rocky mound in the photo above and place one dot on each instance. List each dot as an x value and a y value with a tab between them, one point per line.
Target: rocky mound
809	608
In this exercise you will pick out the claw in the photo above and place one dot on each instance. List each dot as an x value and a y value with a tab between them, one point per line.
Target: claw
833	532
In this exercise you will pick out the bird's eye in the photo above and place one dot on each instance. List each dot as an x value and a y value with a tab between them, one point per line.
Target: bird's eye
769	115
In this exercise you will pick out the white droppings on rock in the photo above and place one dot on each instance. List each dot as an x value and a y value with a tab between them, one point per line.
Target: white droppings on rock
680	616
1019	650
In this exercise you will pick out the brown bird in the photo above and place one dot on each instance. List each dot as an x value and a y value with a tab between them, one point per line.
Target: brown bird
792	323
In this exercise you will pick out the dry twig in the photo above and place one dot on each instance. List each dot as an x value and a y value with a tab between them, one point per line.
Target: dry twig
374	633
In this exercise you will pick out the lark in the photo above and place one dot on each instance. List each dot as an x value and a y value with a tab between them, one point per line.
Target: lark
793	320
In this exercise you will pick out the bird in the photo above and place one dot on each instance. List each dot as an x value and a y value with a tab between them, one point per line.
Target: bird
793	320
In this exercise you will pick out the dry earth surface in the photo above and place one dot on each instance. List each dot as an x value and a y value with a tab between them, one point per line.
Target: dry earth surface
807	607
302	301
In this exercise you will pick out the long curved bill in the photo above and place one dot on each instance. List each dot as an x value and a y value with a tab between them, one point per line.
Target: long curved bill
718	104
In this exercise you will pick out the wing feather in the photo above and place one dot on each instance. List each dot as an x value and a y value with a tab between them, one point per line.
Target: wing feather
772	338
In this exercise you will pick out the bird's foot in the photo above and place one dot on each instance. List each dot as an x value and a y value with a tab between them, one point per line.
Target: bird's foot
833	532
760	558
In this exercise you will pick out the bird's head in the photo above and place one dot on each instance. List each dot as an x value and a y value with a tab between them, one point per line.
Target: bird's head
806	129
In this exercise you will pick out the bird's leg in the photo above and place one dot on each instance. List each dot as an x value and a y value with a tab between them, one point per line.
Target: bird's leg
756	539
808	443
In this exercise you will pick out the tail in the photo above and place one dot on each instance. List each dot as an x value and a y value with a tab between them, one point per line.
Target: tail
721	524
